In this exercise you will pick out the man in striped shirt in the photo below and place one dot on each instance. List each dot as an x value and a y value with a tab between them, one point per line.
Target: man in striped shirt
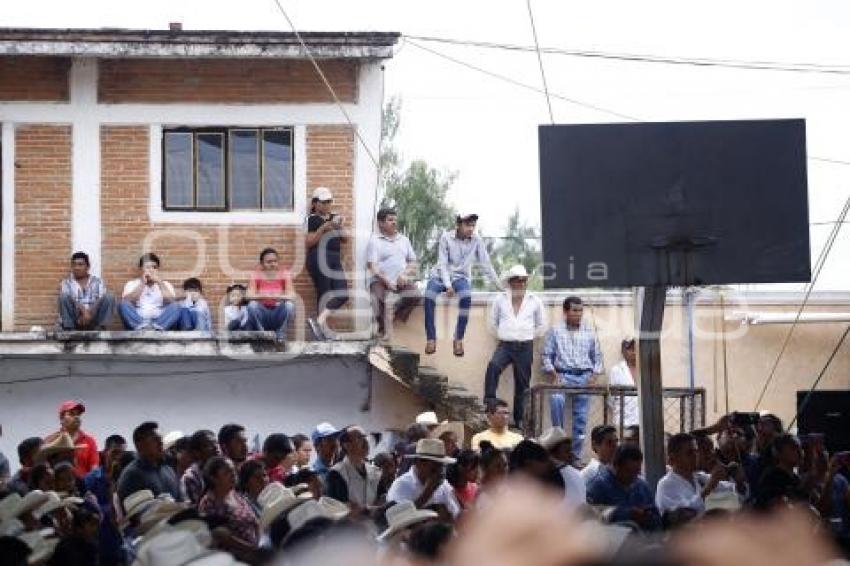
571	356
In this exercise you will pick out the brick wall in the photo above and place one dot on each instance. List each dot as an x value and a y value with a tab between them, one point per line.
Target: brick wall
229	252
219	81
27	78
42	220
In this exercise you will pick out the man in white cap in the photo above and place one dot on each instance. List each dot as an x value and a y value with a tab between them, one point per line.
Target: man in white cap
324	241
425	484
458	251
516	317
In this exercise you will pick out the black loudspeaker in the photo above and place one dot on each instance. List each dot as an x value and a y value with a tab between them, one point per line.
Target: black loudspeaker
826	412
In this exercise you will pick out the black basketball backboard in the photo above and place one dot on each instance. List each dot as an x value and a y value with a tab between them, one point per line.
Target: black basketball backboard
676	203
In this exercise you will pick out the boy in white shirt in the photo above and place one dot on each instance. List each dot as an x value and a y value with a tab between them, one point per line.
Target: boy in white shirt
149	302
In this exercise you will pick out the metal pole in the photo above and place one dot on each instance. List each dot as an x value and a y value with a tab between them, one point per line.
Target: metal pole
651	391
690	299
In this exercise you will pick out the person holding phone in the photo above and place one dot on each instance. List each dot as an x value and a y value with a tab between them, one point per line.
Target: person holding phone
324	241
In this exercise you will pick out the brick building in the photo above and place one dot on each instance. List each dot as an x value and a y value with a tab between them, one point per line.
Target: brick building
201	146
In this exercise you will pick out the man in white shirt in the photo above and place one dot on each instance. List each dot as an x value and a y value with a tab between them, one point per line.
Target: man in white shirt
679	495
424	484
149	302
516	317
622	375
603	441
391	262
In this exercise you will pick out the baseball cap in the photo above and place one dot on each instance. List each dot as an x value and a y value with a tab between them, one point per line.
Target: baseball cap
463	216
71	405
323	194
324	430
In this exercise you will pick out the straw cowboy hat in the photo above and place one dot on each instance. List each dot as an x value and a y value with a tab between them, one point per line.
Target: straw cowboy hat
171	438
61	443
11	527
723	500
403	515
271	492
334	509
284	501
54	502
137	503
196	527
214	558
40	548
14	505
552	437
431	449
158	511
517	271
325	508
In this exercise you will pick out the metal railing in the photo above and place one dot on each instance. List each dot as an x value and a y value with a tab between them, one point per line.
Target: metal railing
684	408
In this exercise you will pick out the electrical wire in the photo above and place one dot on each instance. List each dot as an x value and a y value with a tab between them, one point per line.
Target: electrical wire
647	58
817	271
520	83
540	61
822	372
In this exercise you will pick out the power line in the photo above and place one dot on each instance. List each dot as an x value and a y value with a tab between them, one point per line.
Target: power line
830	160
540	60
520	83
647	58
819	377
818	268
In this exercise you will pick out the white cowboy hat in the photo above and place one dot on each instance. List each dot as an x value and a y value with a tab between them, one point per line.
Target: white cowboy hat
515	271
158	511
429	418
333	508
323	194
214	558
9	506
552	437
54	502
300	515
28	503
402	515
724	500
285	501
40	548
167	548
171	438
137	502
431	449
197	527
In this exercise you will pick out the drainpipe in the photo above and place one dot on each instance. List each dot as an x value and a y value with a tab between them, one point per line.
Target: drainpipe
690	300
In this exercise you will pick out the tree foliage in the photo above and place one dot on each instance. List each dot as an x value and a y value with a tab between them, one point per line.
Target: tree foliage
417	191
519	244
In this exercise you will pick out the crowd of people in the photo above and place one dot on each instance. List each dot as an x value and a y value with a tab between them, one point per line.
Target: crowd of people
204	498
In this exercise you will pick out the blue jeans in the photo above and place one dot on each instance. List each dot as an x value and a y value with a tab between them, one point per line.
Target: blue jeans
168	319
580	404
464	293
101	316
271	318
193	319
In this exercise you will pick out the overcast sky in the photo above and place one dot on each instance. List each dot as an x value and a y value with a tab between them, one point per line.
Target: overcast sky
485	129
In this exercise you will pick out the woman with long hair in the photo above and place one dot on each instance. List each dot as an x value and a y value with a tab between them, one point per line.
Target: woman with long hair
324	241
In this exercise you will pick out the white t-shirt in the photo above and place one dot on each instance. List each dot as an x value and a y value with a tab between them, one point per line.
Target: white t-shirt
575	490
621	375
675	492
407	487
150	302
590	470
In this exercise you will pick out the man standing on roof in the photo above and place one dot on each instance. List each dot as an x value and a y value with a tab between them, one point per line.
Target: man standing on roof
86	458
459	250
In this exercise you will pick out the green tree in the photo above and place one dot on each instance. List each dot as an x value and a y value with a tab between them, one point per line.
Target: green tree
417	191
519	245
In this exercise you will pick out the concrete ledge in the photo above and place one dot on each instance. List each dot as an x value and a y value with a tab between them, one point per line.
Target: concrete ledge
150	343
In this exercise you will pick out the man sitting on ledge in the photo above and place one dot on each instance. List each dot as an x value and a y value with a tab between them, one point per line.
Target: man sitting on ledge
149	302
84	303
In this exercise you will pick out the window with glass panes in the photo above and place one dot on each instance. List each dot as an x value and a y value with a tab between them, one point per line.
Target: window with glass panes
227	168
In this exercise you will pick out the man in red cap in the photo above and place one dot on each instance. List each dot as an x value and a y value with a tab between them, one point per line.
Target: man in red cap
87	457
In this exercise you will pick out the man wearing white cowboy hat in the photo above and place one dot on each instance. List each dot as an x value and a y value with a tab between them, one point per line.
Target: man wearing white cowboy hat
424	484
559	446
516	317
401	517
458	251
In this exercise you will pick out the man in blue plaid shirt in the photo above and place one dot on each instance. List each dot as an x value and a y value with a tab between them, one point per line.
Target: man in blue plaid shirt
571	356
84	303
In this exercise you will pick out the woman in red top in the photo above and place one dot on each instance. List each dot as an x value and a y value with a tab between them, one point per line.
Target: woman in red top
270	292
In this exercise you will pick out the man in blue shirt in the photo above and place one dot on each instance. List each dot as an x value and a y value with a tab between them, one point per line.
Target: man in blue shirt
571	356
620	486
